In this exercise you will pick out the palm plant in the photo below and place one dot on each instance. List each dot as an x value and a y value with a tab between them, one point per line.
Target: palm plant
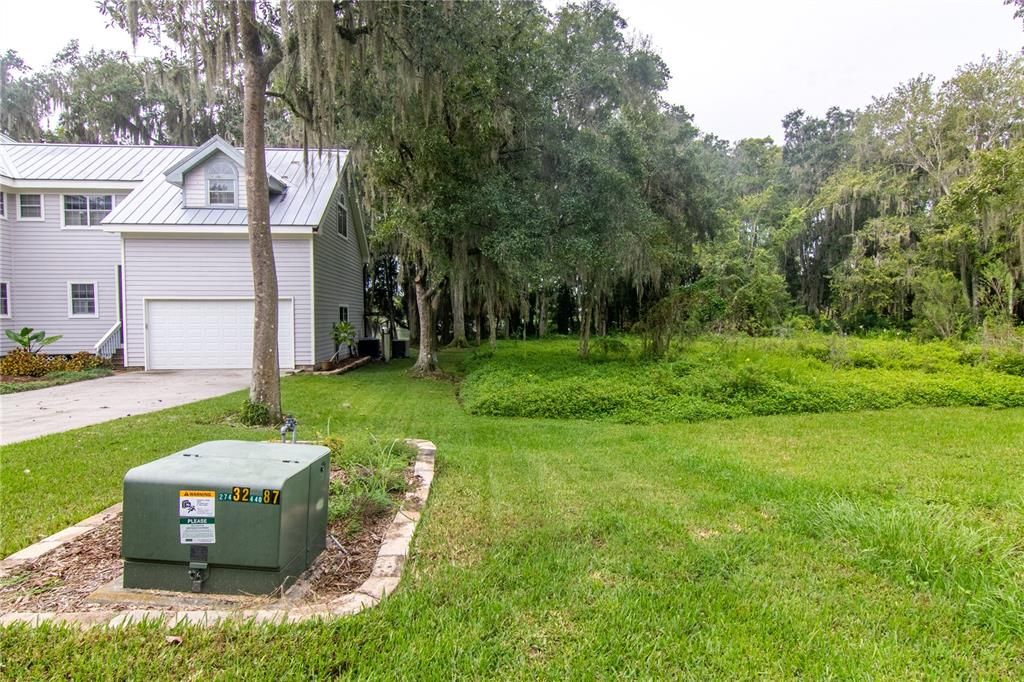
31	340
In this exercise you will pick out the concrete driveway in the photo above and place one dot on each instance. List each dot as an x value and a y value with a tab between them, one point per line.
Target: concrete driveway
61	408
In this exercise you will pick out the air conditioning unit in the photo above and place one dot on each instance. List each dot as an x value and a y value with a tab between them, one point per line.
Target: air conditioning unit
225	517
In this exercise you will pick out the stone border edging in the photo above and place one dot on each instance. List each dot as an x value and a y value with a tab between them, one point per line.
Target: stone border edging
384	577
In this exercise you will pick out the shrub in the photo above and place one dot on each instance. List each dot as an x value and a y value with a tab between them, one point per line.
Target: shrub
940	308
23	363
254	414
81	361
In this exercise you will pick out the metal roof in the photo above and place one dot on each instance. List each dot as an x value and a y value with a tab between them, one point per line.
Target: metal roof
78	162
308	193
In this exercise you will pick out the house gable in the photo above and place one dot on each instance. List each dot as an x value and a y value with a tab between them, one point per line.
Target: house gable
218	176
212	152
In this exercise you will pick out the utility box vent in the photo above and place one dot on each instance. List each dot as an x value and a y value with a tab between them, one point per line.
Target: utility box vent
225	517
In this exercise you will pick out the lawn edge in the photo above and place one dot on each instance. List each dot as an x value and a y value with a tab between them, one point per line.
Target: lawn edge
383	580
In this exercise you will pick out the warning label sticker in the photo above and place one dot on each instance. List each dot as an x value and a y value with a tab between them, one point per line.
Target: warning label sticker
198	531
196	503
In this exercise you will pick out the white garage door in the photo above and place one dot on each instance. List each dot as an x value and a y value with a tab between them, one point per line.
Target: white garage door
210	334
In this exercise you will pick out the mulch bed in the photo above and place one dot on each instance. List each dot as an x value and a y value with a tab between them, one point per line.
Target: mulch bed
63	579
10	379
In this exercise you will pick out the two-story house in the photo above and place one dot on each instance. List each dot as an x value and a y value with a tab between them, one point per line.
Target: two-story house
142	252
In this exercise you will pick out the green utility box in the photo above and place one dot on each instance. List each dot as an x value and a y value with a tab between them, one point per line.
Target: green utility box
226	517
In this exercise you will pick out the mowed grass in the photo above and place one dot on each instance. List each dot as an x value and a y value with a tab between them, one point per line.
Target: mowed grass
861	545
722	377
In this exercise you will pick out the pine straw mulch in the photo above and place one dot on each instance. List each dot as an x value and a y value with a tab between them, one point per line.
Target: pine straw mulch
63	579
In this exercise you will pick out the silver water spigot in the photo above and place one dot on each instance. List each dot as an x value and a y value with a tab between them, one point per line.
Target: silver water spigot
288	427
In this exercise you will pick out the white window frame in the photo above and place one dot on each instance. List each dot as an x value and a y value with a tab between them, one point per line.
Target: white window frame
95	299
343	219
3	204
7	296
42	207
89	226
209	177
345	317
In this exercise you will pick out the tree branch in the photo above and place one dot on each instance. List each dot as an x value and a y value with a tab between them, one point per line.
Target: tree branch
351	35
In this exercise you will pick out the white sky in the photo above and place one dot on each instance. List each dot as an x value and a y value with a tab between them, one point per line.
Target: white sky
738	65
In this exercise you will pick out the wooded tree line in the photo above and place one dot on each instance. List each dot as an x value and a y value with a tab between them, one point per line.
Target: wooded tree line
904	214
526	175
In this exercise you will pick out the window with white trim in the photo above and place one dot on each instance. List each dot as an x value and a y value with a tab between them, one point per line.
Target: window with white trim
82	299
5	299
342	219
3	204
343	313
221	183
86	210
30	207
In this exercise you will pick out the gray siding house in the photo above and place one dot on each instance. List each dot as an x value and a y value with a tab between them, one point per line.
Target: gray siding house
142	252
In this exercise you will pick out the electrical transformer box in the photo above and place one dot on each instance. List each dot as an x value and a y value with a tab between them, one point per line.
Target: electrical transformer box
226	517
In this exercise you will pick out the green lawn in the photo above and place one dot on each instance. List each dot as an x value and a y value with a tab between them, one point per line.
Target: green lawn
866	545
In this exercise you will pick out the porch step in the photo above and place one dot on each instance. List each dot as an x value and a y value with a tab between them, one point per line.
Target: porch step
117	359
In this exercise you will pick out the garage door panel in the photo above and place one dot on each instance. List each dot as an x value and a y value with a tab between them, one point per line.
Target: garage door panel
210	334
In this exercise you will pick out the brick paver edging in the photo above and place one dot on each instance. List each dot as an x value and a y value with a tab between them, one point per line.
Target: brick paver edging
384	578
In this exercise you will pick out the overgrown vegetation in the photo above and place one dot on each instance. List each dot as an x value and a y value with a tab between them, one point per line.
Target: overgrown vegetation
369	475
732	376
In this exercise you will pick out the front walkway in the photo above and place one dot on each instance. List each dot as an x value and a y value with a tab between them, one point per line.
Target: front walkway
61	408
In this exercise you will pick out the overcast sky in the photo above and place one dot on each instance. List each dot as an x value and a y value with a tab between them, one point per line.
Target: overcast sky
738	65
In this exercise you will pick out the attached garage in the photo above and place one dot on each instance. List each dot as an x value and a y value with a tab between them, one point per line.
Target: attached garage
210	333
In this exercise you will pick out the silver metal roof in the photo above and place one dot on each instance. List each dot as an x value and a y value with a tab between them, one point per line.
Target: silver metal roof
77	162
308	193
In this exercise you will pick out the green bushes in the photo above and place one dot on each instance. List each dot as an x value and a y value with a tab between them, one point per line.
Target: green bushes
23	363
254	414
731	376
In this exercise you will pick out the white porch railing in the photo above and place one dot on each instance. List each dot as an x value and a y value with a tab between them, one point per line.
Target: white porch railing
110	342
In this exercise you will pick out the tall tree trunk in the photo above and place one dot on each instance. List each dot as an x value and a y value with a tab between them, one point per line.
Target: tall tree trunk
966	283
524	310
412	311
478	322
492	322
391	285
265	386
542	320
586	316
458	287
426	361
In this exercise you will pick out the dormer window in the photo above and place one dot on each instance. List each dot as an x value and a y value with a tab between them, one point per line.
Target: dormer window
221	184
